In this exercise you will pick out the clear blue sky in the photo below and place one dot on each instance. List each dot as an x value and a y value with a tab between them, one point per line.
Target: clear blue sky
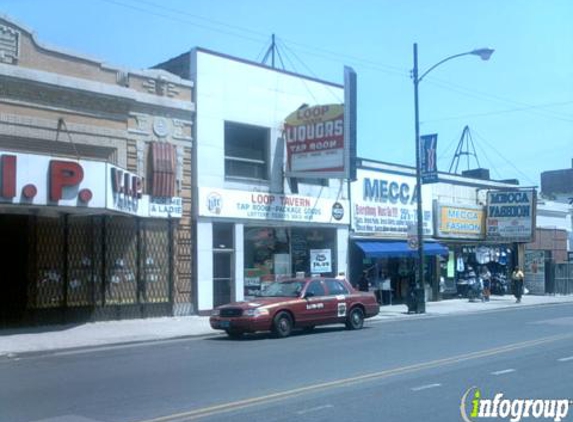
518	105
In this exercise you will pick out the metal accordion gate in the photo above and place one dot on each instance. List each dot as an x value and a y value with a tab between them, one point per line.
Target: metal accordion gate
99	268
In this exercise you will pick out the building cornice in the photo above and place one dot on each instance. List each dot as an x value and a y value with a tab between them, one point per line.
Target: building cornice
69	83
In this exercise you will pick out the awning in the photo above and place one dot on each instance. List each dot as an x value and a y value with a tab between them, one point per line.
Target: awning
389	249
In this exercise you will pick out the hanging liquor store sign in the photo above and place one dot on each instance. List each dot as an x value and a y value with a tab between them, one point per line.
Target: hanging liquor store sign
315	141
511	215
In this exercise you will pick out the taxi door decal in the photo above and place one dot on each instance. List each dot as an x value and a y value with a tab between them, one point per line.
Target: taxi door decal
342	309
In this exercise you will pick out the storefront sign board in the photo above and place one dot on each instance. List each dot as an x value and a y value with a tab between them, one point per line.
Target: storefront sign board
385	204
314	138
511	215
43	180
458	222
165	207
227	203
32	179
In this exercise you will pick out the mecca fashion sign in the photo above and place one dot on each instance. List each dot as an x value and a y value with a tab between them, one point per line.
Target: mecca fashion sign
511	215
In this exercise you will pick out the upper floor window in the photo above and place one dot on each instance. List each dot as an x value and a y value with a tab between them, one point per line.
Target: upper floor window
246	151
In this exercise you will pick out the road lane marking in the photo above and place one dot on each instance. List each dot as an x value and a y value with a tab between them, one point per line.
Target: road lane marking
426	387
567	359
503	372
314	409
344	382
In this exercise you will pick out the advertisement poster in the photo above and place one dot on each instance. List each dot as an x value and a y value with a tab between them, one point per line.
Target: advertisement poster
252	281
511	215
320	261
535	271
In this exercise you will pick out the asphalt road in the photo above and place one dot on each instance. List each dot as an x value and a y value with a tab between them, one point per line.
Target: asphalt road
402	370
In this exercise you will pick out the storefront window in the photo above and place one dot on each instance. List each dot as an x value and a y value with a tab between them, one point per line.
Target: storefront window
469	264
272	254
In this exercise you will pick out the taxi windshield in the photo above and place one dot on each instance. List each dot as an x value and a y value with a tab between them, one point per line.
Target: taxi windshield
283	289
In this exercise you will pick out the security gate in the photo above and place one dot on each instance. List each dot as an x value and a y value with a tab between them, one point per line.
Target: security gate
81	268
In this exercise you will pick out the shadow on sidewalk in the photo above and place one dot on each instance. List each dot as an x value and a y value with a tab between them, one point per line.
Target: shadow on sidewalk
9	331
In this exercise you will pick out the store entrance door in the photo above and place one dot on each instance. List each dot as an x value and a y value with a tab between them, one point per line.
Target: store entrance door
223	263
13	264
222	277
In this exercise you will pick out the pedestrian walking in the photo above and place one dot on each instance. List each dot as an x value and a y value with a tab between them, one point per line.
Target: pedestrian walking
517	283
486	278
364	283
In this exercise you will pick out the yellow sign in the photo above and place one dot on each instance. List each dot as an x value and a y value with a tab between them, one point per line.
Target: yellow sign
460	222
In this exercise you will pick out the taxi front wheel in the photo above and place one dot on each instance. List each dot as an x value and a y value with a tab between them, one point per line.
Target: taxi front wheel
355	319
282	325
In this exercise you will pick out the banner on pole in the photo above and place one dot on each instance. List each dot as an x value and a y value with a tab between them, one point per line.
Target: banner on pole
429	170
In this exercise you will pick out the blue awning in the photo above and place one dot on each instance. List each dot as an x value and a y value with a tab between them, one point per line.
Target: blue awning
380	249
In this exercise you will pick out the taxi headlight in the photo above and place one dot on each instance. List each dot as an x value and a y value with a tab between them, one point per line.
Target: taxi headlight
215	312
255	312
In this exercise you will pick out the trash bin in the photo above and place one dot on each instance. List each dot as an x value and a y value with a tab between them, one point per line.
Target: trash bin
411	301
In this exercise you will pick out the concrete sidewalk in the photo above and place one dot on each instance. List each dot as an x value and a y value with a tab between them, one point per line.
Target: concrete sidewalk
59	337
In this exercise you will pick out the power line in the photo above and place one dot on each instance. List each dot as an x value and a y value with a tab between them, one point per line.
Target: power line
511	110
337	98
526	107
181	20
238	31
329	55
505	159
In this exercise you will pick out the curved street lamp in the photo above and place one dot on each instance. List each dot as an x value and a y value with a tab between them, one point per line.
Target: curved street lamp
484	54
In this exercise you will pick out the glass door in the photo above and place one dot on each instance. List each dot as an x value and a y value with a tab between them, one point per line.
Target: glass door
223	259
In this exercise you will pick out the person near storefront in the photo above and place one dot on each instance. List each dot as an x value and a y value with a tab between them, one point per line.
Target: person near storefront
486	279
517	284
364	282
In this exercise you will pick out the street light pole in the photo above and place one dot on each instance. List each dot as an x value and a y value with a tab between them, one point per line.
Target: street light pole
484	54
419	211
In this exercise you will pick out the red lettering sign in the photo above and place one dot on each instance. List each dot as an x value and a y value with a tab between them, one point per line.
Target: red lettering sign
63	174
8	176
126	183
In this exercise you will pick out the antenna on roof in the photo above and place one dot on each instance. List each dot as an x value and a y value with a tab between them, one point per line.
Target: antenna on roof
463	148
271	52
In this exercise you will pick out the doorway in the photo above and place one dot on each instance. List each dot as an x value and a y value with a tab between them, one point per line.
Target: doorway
223	263
14	267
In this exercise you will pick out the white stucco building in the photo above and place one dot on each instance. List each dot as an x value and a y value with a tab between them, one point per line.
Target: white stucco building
251	226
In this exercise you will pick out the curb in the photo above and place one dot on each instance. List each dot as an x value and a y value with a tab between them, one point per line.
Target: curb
380	318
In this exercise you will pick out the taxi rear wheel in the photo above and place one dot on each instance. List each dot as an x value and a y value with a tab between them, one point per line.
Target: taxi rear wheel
355	319
282	325
235	334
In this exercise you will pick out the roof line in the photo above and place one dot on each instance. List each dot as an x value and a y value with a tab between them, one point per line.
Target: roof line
252	63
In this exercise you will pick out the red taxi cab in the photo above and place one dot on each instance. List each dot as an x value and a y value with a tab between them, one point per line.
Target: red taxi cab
296	303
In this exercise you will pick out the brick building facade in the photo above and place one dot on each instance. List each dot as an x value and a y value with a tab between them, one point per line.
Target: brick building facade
95	186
